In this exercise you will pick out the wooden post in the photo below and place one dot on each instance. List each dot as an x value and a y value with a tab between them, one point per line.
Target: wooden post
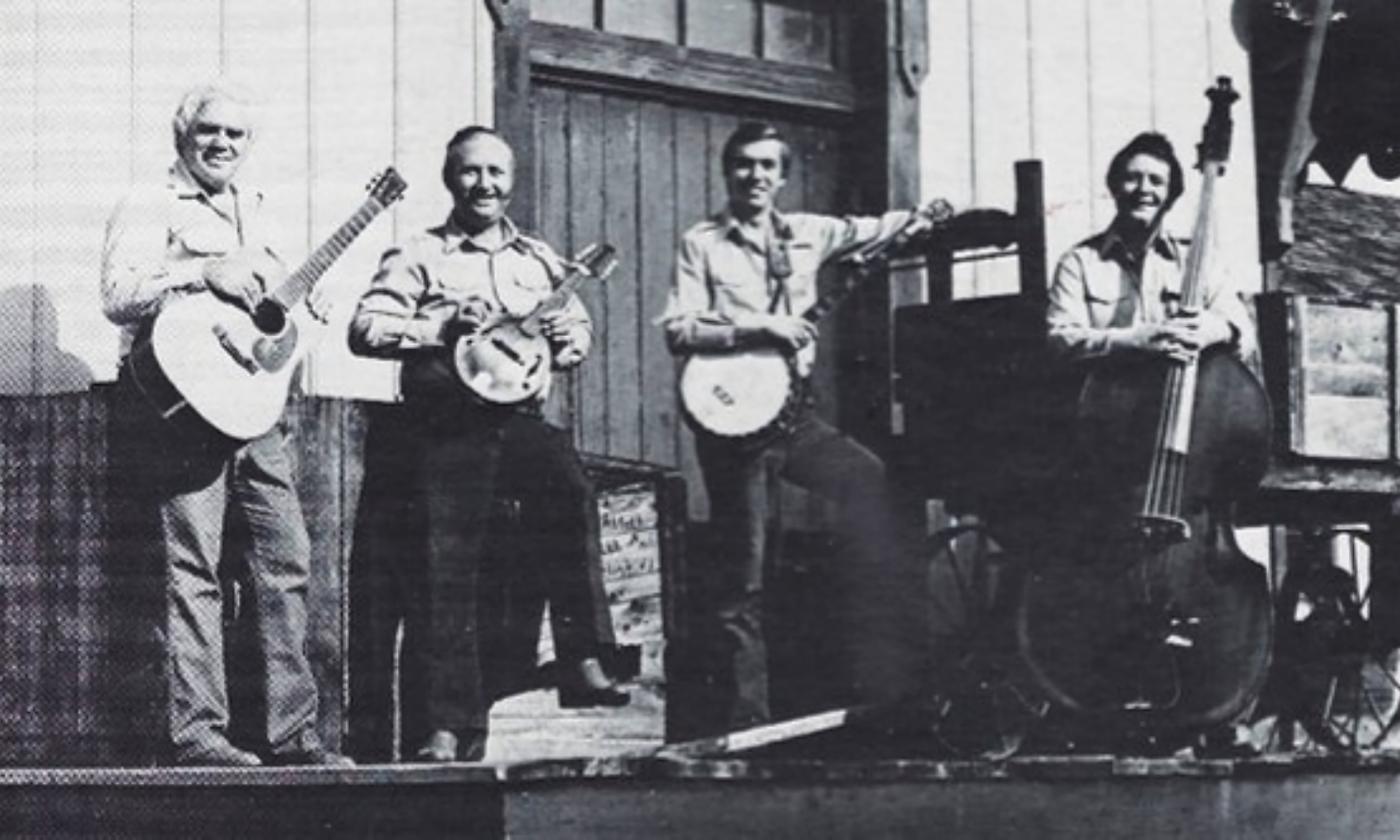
514	115
888	163
1030	231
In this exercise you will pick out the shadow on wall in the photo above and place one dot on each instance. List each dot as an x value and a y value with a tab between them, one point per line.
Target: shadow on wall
31	362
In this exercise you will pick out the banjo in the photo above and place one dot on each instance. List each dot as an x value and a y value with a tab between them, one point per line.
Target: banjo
753	395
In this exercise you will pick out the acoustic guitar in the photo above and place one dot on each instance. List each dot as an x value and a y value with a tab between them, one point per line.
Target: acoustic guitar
212	368
508	360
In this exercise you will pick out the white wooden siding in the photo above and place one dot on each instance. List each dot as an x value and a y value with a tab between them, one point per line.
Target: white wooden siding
1069	82
87	88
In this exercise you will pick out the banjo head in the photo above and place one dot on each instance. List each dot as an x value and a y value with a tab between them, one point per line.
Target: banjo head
736	394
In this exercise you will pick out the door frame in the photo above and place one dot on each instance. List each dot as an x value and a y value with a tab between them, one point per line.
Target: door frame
882	94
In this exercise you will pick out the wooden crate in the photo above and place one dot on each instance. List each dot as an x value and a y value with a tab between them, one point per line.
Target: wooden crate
1330	367
642	516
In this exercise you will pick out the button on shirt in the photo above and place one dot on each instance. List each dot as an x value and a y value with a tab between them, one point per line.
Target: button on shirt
1097	295
159	239
420	285
723	277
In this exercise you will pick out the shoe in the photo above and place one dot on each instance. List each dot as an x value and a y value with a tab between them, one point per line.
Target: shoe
316	756
443	747
440	748
1227	741
587	685
214	753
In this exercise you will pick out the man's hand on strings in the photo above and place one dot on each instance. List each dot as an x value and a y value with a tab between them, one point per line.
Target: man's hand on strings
1181	337
790	332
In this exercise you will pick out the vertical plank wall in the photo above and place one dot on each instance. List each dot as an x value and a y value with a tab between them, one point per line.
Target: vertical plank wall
1069	82
87	89
637	173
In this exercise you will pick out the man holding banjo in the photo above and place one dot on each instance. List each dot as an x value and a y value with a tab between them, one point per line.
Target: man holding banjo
742	312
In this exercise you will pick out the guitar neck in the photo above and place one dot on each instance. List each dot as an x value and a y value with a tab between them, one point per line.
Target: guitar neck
556	299
300	282
1202	236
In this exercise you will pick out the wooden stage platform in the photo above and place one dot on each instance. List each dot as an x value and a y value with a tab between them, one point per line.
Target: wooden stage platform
655	797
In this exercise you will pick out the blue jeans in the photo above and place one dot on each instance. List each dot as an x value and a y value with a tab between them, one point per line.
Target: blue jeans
194	492
878	582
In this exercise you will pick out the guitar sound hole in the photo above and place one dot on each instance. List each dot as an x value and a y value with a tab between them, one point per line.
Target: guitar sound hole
270	318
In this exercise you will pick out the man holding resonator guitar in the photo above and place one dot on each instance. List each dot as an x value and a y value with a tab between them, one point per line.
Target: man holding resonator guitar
480	315
743	311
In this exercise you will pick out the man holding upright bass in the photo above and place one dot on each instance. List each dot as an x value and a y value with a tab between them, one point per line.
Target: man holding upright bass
744	281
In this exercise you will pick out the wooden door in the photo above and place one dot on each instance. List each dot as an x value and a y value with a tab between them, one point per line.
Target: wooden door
637	171
631	102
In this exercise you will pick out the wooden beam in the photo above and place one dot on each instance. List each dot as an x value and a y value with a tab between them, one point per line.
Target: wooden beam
765	735
573	53
1301	138
514	114
497	10
893	35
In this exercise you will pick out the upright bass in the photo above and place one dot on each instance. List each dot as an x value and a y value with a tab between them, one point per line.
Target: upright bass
1141	617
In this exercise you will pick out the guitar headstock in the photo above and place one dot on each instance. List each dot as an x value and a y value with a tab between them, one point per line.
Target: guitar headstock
598	259
1214	147
387	187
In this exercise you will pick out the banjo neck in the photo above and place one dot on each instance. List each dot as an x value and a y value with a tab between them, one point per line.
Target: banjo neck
876	255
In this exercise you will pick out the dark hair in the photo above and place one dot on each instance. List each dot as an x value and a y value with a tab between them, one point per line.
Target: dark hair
752	132
471	132
1155	145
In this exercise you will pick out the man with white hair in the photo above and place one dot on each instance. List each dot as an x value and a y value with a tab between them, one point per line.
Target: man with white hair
197	230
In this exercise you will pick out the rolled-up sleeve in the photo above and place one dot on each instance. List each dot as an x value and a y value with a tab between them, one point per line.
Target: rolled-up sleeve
688	321
841	235
137	273
387	321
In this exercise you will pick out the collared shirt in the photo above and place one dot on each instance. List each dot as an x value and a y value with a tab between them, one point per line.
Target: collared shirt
159	239
1097	295
422	283
723	280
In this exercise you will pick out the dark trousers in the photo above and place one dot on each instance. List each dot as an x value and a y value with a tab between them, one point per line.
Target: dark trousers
879	582
191	493
424	559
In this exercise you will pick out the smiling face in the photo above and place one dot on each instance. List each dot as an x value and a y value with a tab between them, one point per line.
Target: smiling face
1141	189
754	175
214	145
480	174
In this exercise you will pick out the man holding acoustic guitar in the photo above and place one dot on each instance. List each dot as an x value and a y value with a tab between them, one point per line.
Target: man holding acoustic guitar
479	314
197	233
743	312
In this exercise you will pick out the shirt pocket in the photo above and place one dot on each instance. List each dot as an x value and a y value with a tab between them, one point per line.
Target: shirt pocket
519	283
1108	297
202	239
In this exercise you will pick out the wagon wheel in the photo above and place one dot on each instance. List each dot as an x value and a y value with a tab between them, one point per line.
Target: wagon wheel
1336	685
980	710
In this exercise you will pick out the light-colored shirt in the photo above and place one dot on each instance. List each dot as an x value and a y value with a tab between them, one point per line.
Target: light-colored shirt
723	281
1097	295
159	239
414	297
